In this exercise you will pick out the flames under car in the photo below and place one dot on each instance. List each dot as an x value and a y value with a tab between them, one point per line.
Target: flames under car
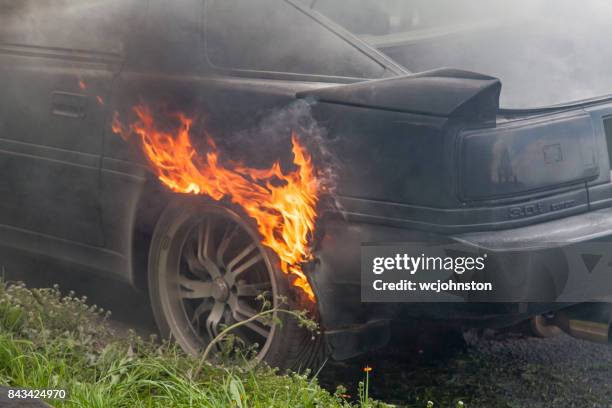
214	166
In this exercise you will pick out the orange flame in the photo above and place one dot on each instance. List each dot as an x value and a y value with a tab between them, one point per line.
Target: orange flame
285	212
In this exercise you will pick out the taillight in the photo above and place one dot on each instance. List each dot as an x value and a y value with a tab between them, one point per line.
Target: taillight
527	156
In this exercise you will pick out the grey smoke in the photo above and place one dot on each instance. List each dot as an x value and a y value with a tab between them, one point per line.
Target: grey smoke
544	51
270	139
43	23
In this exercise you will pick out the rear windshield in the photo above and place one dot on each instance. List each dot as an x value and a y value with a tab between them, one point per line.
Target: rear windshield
276	36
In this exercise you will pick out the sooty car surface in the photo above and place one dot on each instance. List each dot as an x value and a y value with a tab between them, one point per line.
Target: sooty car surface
427	156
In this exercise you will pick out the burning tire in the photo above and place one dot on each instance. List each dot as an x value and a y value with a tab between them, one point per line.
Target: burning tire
207	269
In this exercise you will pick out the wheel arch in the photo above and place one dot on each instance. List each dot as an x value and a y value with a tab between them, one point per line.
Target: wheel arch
153	200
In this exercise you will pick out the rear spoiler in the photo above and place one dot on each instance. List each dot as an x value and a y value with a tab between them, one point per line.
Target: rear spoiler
442	92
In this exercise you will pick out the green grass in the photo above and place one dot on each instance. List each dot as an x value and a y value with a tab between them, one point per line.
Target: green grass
50	341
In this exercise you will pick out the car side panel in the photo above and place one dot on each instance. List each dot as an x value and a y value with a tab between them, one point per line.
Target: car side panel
50	143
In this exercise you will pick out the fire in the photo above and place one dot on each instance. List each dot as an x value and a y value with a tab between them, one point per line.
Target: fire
283	205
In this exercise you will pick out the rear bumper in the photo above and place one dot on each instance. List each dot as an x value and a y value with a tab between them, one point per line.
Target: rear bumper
565	261
535	269
590	226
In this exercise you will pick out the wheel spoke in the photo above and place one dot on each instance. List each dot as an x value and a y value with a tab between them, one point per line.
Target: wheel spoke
191	257
242	312
228	236
241	256
234	273
205	306
195	289
205	247
252	289
213	320
257	328
204	239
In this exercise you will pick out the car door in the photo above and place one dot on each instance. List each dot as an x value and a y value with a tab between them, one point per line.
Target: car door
57	63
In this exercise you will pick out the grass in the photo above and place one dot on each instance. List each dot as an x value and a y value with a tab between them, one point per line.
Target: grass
50	341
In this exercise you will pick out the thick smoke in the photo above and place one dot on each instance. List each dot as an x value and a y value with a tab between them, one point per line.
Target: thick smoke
274	36
545	52
270	139
83	25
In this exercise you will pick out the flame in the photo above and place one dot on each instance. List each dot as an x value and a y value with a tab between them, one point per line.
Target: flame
285	212
82	85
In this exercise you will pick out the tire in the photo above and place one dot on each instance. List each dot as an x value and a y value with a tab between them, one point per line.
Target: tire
206	268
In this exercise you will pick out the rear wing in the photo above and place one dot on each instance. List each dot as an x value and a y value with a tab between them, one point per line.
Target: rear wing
442	92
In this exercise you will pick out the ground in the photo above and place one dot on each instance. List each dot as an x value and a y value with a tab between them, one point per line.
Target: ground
500	371
496	370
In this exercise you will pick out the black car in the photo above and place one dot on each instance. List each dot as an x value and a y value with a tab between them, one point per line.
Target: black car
420	157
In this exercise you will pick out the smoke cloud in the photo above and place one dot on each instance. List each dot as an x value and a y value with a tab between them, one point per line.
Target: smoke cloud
545	52
270	139
83	25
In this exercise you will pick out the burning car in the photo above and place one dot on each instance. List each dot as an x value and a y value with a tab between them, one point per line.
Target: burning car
128	149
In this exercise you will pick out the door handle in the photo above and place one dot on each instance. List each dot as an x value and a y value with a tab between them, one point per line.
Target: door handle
69	105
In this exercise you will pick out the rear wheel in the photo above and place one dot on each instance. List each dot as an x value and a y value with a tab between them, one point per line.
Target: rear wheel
207	270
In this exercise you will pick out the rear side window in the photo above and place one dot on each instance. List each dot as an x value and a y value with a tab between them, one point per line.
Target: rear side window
90	25
275	36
